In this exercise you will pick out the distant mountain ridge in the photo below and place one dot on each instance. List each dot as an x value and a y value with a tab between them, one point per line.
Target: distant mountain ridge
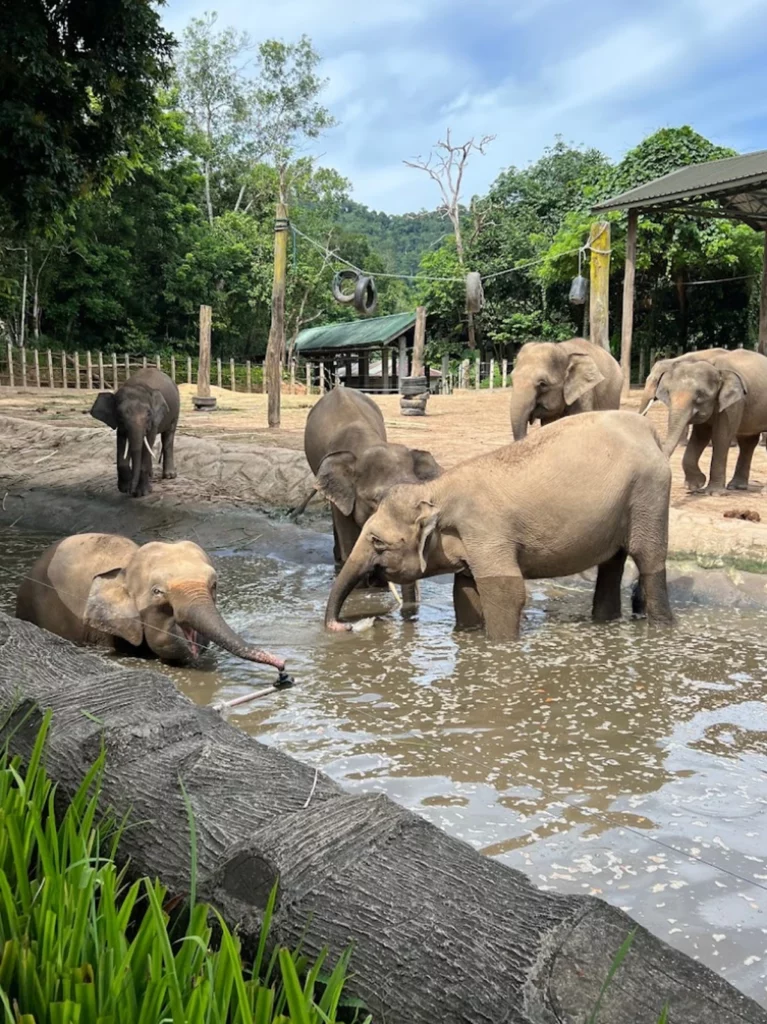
401	239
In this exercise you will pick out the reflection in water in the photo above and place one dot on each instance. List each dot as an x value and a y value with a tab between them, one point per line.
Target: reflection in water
570	755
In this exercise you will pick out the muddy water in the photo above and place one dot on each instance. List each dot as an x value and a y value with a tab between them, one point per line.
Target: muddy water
598	759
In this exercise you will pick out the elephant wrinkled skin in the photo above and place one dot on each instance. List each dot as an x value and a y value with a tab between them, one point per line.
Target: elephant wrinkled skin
587	491
722	394
155	600
552	379
146	405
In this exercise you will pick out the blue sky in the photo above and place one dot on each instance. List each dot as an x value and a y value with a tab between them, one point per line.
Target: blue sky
605	74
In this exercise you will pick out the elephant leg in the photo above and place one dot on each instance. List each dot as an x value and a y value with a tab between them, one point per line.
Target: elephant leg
742	472
123	465
168	459
723	431
693	477
145	478
502	599
345	534
466	603
607	593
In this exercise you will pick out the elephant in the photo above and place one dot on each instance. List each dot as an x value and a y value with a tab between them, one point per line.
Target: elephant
354	464
722	394
552	379
155	600
146	405
587	491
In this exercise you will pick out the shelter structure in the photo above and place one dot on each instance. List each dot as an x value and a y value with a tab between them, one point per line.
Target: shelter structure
731	189
368	354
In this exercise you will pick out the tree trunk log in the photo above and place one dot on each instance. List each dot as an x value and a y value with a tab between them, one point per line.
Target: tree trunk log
441	932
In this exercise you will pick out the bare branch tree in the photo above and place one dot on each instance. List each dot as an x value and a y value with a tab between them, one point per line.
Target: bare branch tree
446	166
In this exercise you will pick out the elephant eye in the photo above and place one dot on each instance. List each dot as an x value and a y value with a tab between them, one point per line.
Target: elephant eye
543	383
377	543
157	592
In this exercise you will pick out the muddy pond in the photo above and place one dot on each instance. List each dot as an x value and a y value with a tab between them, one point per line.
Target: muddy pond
597	759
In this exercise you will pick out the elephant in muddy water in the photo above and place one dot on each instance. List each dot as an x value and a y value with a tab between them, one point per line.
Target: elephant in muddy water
587	491
155	600
722	394
552	379
146	405
355	465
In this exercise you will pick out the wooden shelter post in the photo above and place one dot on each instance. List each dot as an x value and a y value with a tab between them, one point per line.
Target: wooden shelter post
599	244
762	346
629	277
419	341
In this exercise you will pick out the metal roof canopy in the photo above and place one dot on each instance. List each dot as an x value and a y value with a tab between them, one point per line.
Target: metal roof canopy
355	335
737	184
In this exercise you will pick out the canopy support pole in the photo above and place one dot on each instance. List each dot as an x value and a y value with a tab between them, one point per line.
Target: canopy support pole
629	277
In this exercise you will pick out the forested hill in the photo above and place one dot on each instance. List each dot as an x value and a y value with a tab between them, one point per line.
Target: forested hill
402	239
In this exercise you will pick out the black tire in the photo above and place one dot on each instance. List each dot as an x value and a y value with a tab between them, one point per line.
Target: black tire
475	296
338	294
365	296
413	386
418	402
413	412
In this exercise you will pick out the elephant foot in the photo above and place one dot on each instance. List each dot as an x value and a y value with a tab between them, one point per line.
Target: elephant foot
123	486
170	474
713	490
141	491
695	483
737	485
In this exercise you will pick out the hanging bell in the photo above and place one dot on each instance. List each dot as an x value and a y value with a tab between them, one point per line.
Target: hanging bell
579	290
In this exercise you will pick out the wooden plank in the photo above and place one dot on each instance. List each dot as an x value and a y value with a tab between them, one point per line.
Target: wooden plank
248	377
189	369
629	275
37	368
50	368
599	298
419	341
88	371
232	384
63	369
115	375
505	373
77	370
102	383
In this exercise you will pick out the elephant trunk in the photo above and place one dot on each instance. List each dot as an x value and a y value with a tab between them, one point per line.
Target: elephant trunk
196	612
136	448
359	563
678	420
523	402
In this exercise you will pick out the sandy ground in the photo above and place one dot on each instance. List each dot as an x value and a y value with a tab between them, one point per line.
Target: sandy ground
48	440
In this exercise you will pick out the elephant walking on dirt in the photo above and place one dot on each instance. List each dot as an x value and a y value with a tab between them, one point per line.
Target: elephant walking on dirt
589	490
348	452
146	405
552	379
722	394
157	600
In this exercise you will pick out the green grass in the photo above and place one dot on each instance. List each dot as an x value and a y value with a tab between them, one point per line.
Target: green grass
79	944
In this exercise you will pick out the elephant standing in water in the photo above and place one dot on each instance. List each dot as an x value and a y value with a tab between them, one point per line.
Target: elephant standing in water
586	491
722	394
146	405
156	600
552	379
346	447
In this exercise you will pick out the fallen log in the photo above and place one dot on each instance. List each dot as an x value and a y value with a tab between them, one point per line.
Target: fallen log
441	933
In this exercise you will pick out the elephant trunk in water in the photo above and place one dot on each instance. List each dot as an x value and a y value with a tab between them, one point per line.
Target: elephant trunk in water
523	402
359	564
679	417
196	612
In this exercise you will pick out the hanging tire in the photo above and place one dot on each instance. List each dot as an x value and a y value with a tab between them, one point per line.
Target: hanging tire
338	294
365	297
413	386
475	296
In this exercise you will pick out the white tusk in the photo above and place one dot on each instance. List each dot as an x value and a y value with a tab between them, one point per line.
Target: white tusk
363	624
650	404
149	449
127	448
397	597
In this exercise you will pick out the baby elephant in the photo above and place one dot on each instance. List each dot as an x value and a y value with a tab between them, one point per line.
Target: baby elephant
588	490
159	599
146	405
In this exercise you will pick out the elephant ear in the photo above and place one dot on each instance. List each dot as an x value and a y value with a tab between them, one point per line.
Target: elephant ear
159	408
733	389
111	609
427	517
652	383
105	409
336	480
582	375
425	465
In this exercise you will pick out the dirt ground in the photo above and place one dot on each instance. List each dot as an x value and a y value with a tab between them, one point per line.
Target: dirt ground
47	439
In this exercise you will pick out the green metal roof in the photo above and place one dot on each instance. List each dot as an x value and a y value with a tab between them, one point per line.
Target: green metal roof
738	184
372	332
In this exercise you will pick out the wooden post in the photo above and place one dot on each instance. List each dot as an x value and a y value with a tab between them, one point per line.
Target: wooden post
218	372
464	374
173	368
189	369
308	378
102	385
143	362
322	377
77	370
248	377
629	275
232	384
762	345
492	374
599	244
158	362
50	368
276	344
127	366
292	376
115	375
63	369
642	374
203	399
419	341
478	372
37	368
385	370
11	381
88	371
444	383
402	351
505	373
23	366
263	377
